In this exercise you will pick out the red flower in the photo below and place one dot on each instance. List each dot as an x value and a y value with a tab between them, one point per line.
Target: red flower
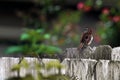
87	8
105	11
116	18
80	5
97	38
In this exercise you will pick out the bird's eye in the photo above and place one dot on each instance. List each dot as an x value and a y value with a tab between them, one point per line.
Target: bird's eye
86	37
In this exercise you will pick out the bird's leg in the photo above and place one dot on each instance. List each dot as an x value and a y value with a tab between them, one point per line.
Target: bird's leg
80	46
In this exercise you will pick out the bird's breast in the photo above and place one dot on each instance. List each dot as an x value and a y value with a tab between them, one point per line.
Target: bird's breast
91	39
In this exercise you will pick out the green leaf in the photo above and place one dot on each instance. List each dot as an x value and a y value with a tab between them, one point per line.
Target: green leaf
28	77
53	49
40	76
24	63
104	17
41	49
15	67
113	11
40	30
24	36
48	49
47	36
14	49
38	66
54	64
89	2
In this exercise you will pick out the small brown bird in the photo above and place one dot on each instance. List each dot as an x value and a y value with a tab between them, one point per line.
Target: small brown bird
86	39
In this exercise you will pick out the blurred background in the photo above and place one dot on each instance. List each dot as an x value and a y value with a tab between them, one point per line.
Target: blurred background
59	22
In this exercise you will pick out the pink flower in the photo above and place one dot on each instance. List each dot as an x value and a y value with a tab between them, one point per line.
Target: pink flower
116	18
80	5
105	11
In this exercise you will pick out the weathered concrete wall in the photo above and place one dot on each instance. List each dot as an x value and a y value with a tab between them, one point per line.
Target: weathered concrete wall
103	65
115	54
101	52
6	63
82	69
87	69
5	66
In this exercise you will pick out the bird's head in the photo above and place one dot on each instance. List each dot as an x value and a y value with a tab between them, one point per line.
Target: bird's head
90	31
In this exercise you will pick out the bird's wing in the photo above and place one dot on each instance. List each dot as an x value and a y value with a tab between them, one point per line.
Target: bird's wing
83	38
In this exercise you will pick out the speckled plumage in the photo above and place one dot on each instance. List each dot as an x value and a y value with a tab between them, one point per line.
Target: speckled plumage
86	39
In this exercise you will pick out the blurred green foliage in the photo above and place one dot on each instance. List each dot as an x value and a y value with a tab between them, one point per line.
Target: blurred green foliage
53	19
54	26
55	64
65	30
38	67
69	16
36	43
109	31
